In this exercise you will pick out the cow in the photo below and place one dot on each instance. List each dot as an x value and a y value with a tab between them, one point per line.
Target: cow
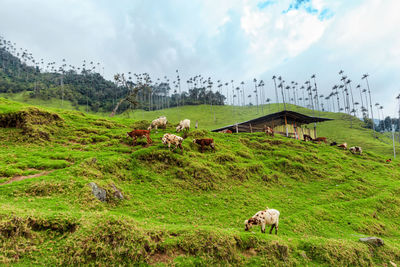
307	137
225	131
263	217
269	131
355	149
174	140
139	133
183	125
388	160
320	139
205	142
160	122
344	146
333	143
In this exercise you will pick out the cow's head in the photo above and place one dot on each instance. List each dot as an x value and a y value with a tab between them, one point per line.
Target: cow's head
194	141
249	223
178	128
127	134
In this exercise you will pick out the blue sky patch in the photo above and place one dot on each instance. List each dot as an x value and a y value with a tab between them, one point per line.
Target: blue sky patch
306	5
325	14
264	4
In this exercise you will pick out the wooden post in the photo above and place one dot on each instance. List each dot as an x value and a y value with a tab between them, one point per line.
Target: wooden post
237	129
286	126
315	130
251	128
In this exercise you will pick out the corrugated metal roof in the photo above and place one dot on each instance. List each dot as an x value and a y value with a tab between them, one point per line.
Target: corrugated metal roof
290	115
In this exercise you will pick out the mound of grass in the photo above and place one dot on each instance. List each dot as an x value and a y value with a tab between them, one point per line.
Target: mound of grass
35	123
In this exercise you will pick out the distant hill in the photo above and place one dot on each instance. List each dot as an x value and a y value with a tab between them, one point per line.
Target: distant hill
21	73
188	208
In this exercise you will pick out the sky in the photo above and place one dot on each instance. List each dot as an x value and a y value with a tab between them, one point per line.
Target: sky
223	39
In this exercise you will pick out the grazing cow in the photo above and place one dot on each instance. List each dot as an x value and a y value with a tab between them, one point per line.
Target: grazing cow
320	139
307	137
263	217
388	160
344	146
225	131
174	140
355	149
269	131
139	133
205	142
183	125
160	122
333	143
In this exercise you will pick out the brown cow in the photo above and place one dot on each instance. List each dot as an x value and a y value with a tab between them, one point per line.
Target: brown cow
205	142
269	131
344	146
139	133
320	139
307	137
225	131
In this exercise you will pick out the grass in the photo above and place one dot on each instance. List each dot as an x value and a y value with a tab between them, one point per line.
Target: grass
188	208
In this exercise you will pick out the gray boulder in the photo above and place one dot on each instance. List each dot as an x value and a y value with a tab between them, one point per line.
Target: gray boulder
373	241
98	192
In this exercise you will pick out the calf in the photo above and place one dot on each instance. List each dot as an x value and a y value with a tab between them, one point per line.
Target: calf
344	145
355	149
183	125
225	131
139	133
320	139
388	160
160	122
307	137
269	131
174	140
205	142
263	217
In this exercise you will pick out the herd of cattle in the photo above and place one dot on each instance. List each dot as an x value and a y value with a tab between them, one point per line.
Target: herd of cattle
184	125
168	138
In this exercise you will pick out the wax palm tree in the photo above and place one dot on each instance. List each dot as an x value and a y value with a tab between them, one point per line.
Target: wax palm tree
256	92
276	90
362	102
365	76
244	100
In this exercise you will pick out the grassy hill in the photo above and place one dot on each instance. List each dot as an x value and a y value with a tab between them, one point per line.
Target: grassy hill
188	208
343	128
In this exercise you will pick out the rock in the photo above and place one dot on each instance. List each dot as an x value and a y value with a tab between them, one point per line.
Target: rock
98	192
304	255
373	241
117	193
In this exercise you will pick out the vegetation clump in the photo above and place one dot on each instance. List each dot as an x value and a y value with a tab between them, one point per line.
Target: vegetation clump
35	123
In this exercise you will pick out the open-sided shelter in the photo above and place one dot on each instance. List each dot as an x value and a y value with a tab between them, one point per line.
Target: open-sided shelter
288	123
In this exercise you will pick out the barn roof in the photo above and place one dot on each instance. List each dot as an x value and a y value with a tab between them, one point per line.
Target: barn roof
278	119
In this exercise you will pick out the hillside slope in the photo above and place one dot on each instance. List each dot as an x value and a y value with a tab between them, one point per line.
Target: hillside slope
185	208
343	128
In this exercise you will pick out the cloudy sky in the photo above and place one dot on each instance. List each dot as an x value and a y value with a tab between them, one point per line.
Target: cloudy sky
224	39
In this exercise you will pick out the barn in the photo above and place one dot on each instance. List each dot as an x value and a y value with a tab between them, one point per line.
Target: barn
287	123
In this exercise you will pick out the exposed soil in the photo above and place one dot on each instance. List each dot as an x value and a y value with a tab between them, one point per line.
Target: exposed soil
20	177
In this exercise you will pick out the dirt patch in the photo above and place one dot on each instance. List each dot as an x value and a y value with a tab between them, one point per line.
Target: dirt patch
162	257
20	177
